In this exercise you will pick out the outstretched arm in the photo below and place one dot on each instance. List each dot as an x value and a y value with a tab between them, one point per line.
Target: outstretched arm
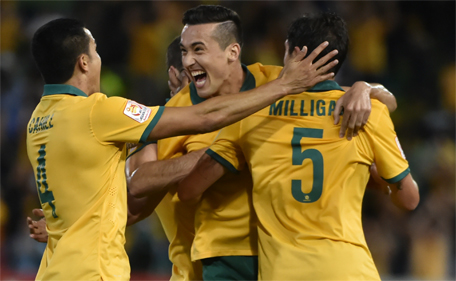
206	172
154	176
297	76
357	106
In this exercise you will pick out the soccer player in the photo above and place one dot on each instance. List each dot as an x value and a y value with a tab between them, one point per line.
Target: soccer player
308	183
225	226
76	140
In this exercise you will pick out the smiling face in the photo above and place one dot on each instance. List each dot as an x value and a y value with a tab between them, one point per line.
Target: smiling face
203	58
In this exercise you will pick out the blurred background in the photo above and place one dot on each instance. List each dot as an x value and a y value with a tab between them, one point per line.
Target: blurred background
407	46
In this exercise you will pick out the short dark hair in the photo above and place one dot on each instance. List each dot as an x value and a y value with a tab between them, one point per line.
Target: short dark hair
174	54
56	47
227	32
313	29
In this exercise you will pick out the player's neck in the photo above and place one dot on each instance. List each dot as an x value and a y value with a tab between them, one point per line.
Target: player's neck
80	82
235	80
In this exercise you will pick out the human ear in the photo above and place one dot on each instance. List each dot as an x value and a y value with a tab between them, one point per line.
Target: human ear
234	51
83	62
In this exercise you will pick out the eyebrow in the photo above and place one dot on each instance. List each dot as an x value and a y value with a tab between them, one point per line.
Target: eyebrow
193	44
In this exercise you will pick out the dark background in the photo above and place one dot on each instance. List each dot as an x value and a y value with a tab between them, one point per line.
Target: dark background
407	46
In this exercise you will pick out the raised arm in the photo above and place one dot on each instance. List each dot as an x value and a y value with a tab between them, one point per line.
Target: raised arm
297	76
357	106
206	172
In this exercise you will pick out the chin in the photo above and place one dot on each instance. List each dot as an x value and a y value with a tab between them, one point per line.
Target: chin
205	94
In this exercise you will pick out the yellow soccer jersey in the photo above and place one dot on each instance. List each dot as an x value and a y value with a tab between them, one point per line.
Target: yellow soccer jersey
76	145
309	183
222	224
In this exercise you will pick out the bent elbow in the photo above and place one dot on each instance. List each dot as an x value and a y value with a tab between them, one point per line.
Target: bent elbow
413	203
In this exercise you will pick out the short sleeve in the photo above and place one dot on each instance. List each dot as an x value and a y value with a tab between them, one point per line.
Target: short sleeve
117	119
201	141
388	155
226	148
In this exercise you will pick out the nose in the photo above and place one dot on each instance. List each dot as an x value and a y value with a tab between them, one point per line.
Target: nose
188	60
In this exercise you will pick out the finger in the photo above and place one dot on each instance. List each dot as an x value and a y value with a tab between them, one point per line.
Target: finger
325	68
326	58
344	125
351	127
317	51
38	212
358	126
300	54
323	77
337	111
365	118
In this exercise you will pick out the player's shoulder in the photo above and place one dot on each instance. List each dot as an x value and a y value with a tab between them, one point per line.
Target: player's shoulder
264	73
378	107
182	98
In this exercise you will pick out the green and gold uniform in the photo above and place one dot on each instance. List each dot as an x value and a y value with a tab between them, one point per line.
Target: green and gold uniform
308	183
222	224
76	145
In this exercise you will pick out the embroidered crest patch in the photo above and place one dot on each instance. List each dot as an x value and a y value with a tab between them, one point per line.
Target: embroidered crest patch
137	112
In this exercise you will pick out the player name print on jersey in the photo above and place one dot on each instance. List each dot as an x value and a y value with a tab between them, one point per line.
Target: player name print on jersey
136	111
41	123
302	108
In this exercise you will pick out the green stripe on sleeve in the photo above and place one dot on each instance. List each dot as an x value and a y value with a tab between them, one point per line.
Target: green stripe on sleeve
222	161
398	177
151	125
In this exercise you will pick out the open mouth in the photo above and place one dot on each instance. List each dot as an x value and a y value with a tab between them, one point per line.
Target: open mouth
199	77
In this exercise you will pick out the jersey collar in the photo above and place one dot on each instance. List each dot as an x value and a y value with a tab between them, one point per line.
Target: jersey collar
57	89
249	83
325	86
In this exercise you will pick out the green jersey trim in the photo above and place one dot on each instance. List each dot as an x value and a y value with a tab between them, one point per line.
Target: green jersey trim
325	86
398	177
57	89
222	161
151	125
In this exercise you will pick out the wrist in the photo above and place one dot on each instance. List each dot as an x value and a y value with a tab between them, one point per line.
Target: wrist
281	89
364	88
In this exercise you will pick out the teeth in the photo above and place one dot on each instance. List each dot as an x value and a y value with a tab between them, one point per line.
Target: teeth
199	72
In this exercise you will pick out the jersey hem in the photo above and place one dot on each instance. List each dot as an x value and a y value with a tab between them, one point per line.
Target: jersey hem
223	253
152	124
222	161
398	177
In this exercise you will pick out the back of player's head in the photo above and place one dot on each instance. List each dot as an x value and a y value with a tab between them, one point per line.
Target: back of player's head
228	31
56	47
174	54
313	29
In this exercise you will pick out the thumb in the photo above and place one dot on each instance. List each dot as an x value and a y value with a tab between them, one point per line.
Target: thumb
38	212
